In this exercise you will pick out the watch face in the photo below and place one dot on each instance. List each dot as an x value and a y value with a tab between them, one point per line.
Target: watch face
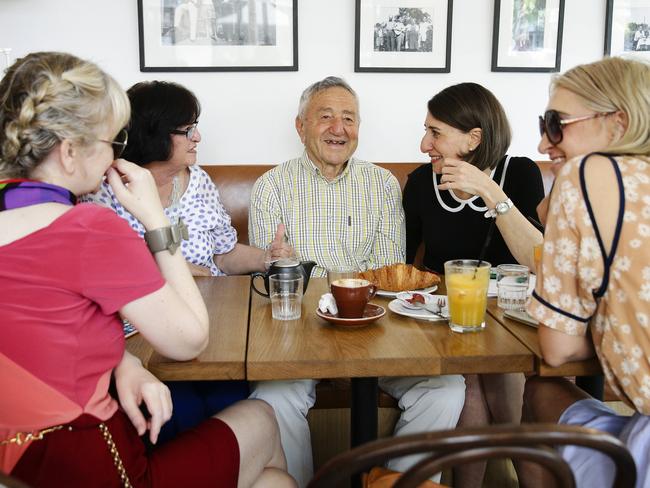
502	207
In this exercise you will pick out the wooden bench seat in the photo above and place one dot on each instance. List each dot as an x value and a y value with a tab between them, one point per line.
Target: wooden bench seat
235	183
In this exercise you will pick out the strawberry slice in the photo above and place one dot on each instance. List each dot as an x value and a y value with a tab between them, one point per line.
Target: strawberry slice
416	298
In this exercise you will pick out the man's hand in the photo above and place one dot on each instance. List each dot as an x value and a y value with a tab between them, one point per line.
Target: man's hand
136	385
279	248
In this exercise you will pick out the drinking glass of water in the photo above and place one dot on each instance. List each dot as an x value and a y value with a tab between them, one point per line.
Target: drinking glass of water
286	296
512	286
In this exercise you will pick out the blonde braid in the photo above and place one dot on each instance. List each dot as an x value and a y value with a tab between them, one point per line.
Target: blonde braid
48	97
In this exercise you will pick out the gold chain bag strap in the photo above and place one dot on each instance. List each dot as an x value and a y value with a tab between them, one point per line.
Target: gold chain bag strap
21	438
117	460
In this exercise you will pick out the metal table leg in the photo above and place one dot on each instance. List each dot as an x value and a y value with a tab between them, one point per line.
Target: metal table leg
363	411
363	414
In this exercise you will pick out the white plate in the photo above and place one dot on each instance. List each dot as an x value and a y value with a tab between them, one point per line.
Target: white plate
398	306
386	293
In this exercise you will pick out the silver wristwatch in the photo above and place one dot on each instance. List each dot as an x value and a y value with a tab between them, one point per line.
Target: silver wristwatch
500	208
169	237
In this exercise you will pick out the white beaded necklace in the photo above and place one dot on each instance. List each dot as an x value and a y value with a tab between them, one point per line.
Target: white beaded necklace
469	201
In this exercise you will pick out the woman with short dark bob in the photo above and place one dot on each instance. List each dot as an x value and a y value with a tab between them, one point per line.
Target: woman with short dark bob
163	137
472	188
451	202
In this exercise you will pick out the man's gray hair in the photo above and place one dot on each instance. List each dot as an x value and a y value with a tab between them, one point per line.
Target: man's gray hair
324	84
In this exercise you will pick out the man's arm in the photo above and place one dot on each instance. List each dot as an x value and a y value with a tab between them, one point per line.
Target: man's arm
264	213
390	243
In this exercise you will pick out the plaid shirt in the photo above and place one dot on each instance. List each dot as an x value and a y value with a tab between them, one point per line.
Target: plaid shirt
356	217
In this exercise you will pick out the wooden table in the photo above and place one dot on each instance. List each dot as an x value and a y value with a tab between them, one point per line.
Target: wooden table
588	373
527	335
227	300
395	345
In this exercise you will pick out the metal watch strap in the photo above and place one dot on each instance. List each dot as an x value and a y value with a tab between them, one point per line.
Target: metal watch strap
493	213
169	237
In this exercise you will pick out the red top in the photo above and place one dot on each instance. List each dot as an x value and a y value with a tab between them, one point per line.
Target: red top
60	335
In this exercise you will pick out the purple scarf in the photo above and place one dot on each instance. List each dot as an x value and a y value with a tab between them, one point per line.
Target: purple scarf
17	193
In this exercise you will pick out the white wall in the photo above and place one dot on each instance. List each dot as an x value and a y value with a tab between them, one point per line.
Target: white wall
248	117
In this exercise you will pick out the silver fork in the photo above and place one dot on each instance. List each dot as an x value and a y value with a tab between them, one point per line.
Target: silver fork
435	309
441	304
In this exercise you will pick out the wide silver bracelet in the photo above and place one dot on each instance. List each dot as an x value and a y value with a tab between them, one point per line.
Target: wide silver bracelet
166	238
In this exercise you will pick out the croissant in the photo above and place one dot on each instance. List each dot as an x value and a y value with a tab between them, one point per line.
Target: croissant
400	277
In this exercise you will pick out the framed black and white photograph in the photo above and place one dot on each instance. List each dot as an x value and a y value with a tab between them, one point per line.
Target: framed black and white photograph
218	35
527	35
403	36
627	29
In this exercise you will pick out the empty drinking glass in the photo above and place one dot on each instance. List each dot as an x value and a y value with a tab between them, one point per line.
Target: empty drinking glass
286	296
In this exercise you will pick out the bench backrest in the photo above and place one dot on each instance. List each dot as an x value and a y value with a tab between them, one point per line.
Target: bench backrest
235	183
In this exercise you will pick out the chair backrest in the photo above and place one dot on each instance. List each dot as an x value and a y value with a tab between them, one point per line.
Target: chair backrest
529	442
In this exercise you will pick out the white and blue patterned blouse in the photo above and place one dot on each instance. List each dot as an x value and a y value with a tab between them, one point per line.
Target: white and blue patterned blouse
202	211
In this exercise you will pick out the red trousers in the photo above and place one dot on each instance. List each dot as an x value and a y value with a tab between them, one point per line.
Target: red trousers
206	456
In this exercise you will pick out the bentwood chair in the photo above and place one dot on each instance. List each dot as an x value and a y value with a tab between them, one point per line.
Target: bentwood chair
529	442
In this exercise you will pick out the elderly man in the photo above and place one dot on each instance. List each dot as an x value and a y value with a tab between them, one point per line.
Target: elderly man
339	210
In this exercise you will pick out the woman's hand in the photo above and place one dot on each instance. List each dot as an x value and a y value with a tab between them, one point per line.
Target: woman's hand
136	190
278	249
136	385
465	177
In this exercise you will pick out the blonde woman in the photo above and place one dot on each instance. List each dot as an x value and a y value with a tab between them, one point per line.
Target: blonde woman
66	271
593	288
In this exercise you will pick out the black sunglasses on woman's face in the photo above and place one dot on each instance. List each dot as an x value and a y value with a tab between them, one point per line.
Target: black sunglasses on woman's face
119	143
552	124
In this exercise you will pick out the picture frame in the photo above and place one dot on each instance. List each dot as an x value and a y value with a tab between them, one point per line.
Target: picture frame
217	35
627	28
527	35
403	36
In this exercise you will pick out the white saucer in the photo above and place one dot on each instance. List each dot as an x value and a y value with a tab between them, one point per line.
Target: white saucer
400	307
386	293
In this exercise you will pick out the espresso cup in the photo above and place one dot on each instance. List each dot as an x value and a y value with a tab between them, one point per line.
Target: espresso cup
352	296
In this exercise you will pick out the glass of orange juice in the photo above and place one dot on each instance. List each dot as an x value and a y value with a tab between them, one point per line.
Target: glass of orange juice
467	286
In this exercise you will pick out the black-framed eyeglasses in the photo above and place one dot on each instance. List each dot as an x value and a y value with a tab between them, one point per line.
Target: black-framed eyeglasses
552	124
119	143
189	132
